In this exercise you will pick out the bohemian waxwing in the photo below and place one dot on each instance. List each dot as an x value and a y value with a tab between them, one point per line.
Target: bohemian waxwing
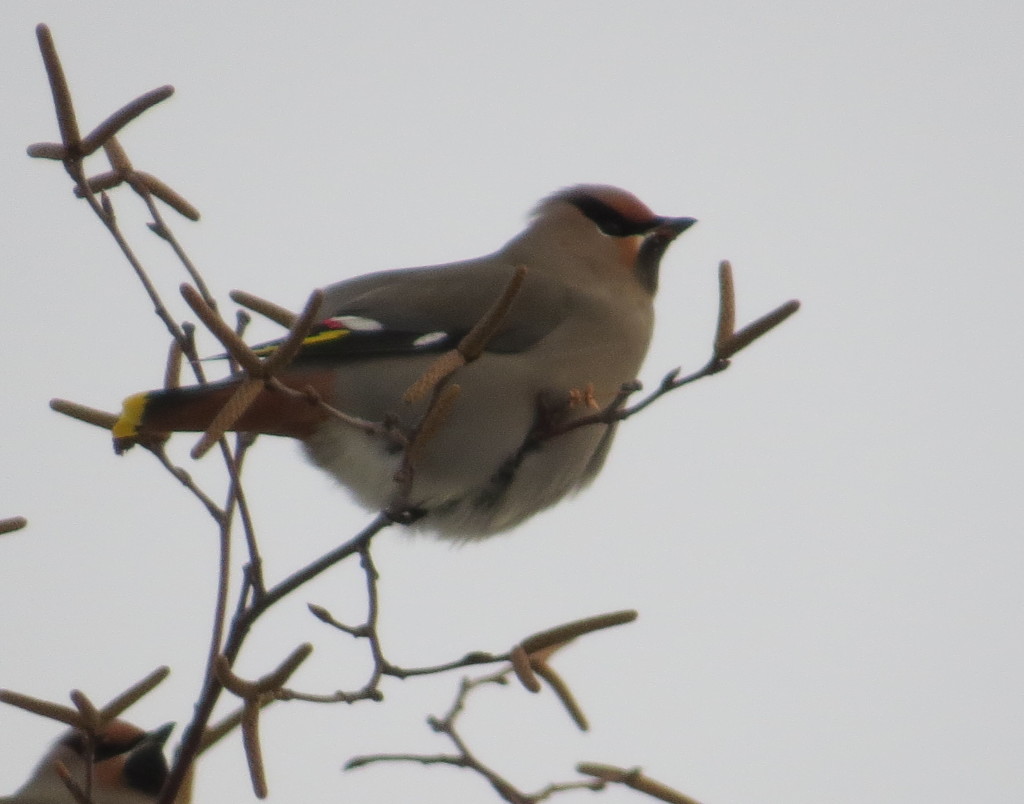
128	767
576	331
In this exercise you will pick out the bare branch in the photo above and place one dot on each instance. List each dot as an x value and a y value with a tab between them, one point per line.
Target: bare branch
267	309
183	477
172	370
523	669
11	524
38	706
253	693
292	343
464	758
555	637
98	418
166	194
117	157
46	150
227	724
726	305
219	328
253	752
86	716
66	120
635	778
99	136
134	693
753	331
92	720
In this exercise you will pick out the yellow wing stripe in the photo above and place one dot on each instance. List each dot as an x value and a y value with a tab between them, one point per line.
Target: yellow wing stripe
321	337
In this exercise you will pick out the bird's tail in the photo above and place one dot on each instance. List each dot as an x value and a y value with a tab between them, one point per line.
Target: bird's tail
155	414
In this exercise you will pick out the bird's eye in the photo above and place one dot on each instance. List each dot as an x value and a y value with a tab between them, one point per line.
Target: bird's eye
608	219
612	227
103	748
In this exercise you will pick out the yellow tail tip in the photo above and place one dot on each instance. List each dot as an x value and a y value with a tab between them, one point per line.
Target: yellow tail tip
127	426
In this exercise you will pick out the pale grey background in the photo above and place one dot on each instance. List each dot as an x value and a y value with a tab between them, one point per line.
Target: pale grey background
824	543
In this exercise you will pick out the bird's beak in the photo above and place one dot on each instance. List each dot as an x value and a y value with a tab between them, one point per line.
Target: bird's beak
159	736
145	766
671	228
655	242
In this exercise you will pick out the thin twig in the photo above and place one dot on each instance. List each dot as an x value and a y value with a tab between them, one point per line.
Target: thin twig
254	693
276	313
99	136
183	477
145	192
85	715
635	779
237	494
66	120
240	625
11	524
465	758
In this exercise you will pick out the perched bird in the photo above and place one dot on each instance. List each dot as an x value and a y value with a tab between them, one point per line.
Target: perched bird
577	330
128	767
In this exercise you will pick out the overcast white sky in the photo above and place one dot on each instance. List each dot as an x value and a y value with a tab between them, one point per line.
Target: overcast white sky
824	543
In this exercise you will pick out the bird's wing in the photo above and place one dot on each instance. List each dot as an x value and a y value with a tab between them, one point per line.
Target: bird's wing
430	309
